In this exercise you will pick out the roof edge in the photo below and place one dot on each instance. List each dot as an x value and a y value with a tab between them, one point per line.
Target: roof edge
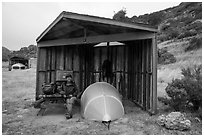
97	19
71	14
51	25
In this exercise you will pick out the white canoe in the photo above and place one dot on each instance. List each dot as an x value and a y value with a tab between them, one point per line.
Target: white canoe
101	102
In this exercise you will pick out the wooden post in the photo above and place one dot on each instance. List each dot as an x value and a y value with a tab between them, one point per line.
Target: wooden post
100	64
140	74
154	74
124	76
144	73
37	74
148	74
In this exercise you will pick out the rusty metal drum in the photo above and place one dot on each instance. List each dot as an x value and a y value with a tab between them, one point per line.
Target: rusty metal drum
101	102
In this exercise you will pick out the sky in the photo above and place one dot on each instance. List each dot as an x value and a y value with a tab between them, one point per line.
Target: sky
23	22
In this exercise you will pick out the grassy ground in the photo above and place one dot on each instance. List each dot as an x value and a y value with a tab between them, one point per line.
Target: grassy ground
19	116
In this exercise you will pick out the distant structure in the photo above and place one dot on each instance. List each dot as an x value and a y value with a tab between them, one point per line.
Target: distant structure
15	59
32	63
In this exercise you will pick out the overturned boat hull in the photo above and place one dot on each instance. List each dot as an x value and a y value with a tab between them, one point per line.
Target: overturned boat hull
101	102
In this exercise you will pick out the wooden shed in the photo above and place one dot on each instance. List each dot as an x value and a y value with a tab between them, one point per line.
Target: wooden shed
17	59
80	44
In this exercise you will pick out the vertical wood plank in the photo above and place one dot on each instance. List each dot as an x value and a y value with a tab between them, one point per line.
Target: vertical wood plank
124	75
58	55
138	74
129	71
42	79
76	66
141	82
42	61
154	63
37	93
53	67
148	75
48	65
151	77
97	62
72	57
135	71
144	73
100	62
81	68
115	67
62	58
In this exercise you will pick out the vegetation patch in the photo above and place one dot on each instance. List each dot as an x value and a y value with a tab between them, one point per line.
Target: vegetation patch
164	57
186	93
195	43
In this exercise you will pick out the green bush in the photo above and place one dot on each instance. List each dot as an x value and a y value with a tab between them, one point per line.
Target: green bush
164	57
195	43
185	91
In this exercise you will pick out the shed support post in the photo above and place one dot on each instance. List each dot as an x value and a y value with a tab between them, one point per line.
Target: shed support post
154	74
37	74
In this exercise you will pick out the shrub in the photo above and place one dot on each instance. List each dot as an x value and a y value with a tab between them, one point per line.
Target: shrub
164	57
185	91
173	34
162	37
195	43
187	34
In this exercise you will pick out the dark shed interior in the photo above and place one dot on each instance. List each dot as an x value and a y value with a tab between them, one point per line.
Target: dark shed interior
80	44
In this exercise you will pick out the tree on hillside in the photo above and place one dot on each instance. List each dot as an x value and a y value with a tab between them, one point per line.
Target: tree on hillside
156	18
26	52
121	15
32	48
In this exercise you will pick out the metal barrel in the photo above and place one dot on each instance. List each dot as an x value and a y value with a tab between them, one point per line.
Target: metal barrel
101	102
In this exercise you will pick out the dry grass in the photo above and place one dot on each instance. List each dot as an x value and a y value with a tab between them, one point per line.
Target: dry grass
18	84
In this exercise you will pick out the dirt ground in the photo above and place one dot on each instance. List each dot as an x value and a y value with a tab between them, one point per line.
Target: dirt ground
19	116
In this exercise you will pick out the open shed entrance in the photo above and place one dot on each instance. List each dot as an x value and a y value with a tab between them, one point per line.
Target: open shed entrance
15	59
82	50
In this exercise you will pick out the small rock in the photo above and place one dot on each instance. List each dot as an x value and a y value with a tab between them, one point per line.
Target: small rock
161	120
175	121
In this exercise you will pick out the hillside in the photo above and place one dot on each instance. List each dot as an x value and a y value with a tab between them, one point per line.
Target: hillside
5	54
178	22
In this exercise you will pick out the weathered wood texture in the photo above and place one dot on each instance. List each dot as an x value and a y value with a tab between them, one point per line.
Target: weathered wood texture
133	67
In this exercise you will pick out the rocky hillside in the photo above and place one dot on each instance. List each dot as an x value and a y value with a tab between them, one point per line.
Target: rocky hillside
178	22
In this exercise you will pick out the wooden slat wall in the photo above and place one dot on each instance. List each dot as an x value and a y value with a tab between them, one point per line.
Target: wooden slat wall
134	68
60	58
76	65
140	78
